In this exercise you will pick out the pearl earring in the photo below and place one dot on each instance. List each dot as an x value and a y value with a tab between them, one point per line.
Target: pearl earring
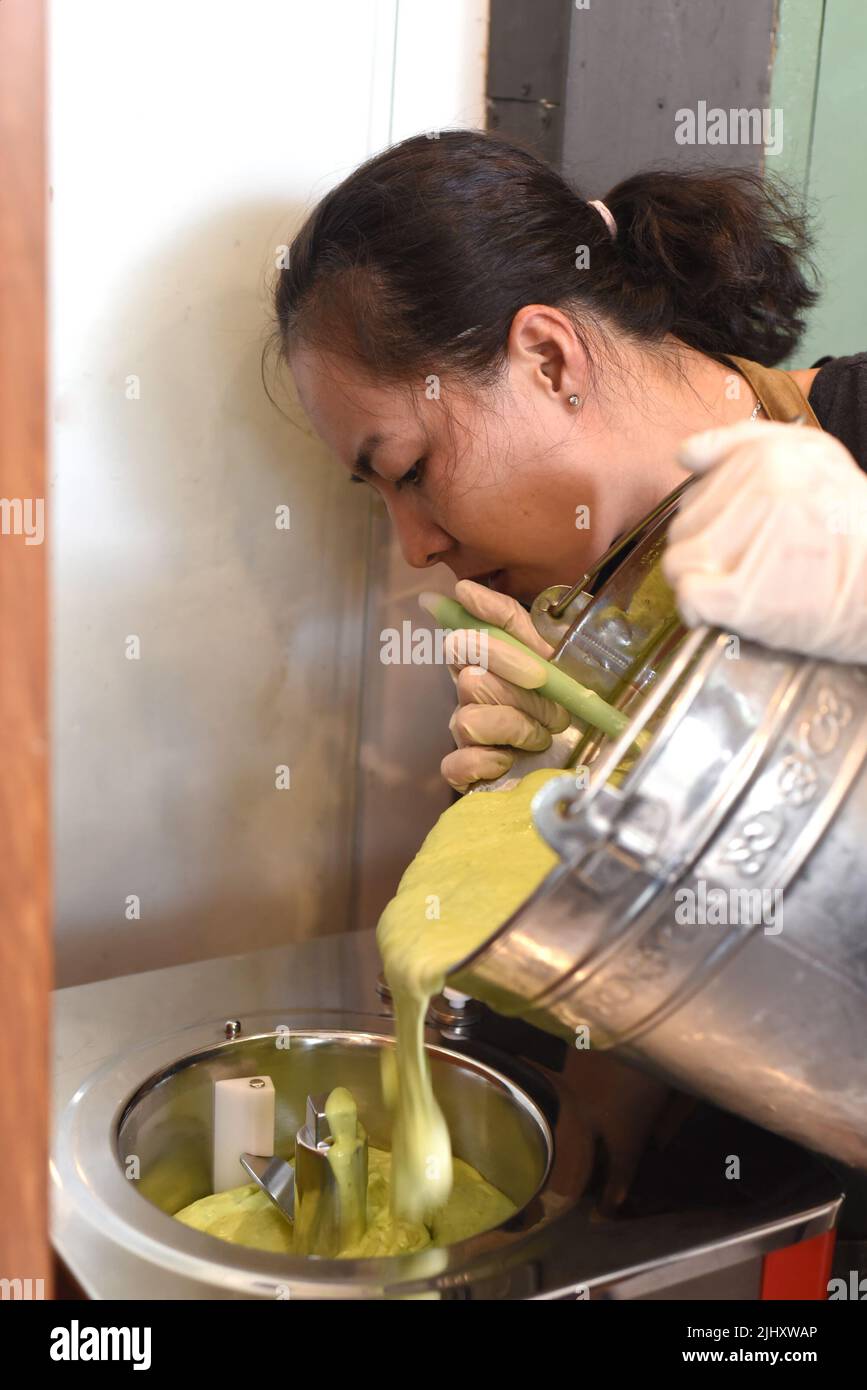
574	400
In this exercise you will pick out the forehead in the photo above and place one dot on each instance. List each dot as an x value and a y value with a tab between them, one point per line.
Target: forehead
345	408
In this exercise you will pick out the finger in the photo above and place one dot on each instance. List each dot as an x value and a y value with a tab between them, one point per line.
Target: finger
706	598
713	549
476	687
710	576
502	611
522	668
725	502
498	725
805	467
701	451
781	618
746	546
467	766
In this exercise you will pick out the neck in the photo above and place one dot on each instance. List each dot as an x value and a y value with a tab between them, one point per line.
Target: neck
681	392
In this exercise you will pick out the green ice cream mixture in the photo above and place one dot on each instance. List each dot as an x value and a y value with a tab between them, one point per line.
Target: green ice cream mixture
245	1216
478	864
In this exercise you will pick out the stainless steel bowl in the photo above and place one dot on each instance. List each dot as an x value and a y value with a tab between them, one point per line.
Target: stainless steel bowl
149	1113
680	1236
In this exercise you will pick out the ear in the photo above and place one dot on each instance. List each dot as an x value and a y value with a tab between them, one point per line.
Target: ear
543	346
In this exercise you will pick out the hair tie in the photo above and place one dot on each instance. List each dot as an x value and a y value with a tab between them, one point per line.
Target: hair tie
607	216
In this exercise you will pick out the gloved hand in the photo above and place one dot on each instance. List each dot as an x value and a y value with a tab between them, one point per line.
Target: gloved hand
772	543
496	713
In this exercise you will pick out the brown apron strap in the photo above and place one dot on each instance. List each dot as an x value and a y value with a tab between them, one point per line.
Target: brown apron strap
779	393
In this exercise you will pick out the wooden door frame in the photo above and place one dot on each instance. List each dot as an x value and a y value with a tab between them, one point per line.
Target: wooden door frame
25	942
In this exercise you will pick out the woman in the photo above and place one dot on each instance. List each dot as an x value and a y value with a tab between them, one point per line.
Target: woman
521	374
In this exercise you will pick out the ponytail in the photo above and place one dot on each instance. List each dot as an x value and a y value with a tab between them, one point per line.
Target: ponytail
716	258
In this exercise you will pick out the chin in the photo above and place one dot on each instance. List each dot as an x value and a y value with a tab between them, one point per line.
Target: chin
517	589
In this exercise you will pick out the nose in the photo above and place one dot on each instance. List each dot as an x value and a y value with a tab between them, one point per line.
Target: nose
422	542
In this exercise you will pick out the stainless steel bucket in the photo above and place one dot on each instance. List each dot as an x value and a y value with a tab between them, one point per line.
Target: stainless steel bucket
709	915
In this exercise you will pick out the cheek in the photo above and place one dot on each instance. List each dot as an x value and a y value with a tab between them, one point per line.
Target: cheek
485	516
478	488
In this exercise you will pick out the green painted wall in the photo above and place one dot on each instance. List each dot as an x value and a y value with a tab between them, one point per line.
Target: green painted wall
820	82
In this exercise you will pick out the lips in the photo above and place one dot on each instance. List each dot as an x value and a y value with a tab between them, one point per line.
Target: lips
491	578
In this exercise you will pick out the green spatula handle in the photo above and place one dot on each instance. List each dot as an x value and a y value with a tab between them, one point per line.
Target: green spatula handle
576	698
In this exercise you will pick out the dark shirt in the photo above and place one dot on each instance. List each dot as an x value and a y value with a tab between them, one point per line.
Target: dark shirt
838	397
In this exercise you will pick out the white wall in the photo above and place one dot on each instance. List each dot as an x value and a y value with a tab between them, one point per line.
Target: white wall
187	141
440	72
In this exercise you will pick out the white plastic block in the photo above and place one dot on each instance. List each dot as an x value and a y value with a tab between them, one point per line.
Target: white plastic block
243	1123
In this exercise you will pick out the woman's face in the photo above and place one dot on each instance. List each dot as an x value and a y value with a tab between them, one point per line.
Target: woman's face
507	489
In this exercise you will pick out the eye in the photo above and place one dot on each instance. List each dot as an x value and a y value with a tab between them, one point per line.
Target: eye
413	476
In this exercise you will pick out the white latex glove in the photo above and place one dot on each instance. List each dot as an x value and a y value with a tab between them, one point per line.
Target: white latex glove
496	713
772	544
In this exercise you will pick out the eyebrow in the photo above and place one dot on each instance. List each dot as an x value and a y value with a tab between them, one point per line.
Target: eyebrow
363	459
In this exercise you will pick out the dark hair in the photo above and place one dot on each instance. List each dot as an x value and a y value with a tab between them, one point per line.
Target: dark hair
418	261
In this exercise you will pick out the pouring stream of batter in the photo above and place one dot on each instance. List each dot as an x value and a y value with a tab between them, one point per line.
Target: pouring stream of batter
448	903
